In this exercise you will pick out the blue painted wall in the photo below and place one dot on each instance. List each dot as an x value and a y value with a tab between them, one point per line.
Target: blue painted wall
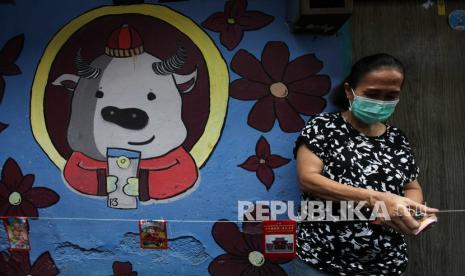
78	244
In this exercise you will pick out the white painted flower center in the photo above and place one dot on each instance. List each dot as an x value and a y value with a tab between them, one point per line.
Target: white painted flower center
261	161
256	258
15	198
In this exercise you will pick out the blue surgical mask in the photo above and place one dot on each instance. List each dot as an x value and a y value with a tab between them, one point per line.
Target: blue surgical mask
371	111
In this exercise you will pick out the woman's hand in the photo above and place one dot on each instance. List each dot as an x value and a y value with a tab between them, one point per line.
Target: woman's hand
398	214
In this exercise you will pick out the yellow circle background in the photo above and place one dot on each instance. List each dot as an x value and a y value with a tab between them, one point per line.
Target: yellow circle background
217	71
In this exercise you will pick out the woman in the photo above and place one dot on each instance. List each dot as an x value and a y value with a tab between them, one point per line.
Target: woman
354	156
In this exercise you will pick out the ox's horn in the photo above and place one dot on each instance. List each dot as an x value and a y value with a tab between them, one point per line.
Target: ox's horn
84	69
172	64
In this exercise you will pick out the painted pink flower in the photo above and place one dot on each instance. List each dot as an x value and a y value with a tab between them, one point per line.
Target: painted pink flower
244	252
123	269
282	89
263	162
234	21
18	263
17	196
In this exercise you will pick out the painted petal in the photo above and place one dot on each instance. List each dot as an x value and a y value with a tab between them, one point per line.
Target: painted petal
241	6
289	120
302	67
12	49
216	22
275	58
280	262
28	209
2	88
44	265
9	266
228	265
4	266
122	268
11	174
235	8
9	69
26	183
265	175
305	104
254	226
251	164
262	148
276	161
228	236
231	36
254	240
4	191
244	89
262	115
42	197
253	230
13	211
272	269
22	261
317	85
4	206
247	66
2	125
254	20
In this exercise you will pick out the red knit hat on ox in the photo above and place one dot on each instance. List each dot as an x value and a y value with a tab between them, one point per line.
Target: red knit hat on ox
124	42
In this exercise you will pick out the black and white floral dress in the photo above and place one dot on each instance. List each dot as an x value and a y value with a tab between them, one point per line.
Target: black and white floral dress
382	163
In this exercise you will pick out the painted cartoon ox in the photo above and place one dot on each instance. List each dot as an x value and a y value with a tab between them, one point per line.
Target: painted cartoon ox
129	99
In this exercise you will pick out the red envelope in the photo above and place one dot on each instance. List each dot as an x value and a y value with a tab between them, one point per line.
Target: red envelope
279	239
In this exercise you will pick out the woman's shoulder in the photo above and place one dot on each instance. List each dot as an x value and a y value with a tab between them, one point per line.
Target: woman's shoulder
324	120
324	117
322	125
395	131
398	137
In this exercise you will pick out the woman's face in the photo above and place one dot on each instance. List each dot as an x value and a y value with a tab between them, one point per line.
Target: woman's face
381	84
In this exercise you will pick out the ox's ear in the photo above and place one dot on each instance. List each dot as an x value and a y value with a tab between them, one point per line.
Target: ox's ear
68	81
185	83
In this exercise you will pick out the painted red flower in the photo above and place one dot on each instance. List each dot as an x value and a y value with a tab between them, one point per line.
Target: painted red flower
123	269
3	126
8	56
263	162
234	21
18	263
244	252
283	89
253	220
17	196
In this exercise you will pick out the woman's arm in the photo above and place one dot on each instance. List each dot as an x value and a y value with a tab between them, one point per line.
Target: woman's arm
309	168
413	191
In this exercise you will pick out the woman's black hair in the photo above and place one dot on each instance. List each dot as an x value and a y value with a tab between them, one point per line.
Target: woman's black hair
359	70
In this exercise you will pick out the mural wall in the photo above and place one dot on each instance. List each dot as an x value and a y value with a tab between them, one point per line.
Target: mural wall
177	111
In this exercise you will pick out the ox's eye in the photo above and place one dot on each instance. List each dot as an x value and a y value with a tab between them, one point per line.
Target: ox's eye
151	96
99	94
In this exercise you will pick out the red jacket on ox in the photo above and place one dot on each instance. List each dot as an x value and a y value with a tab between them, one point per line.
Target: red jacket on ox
159	178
